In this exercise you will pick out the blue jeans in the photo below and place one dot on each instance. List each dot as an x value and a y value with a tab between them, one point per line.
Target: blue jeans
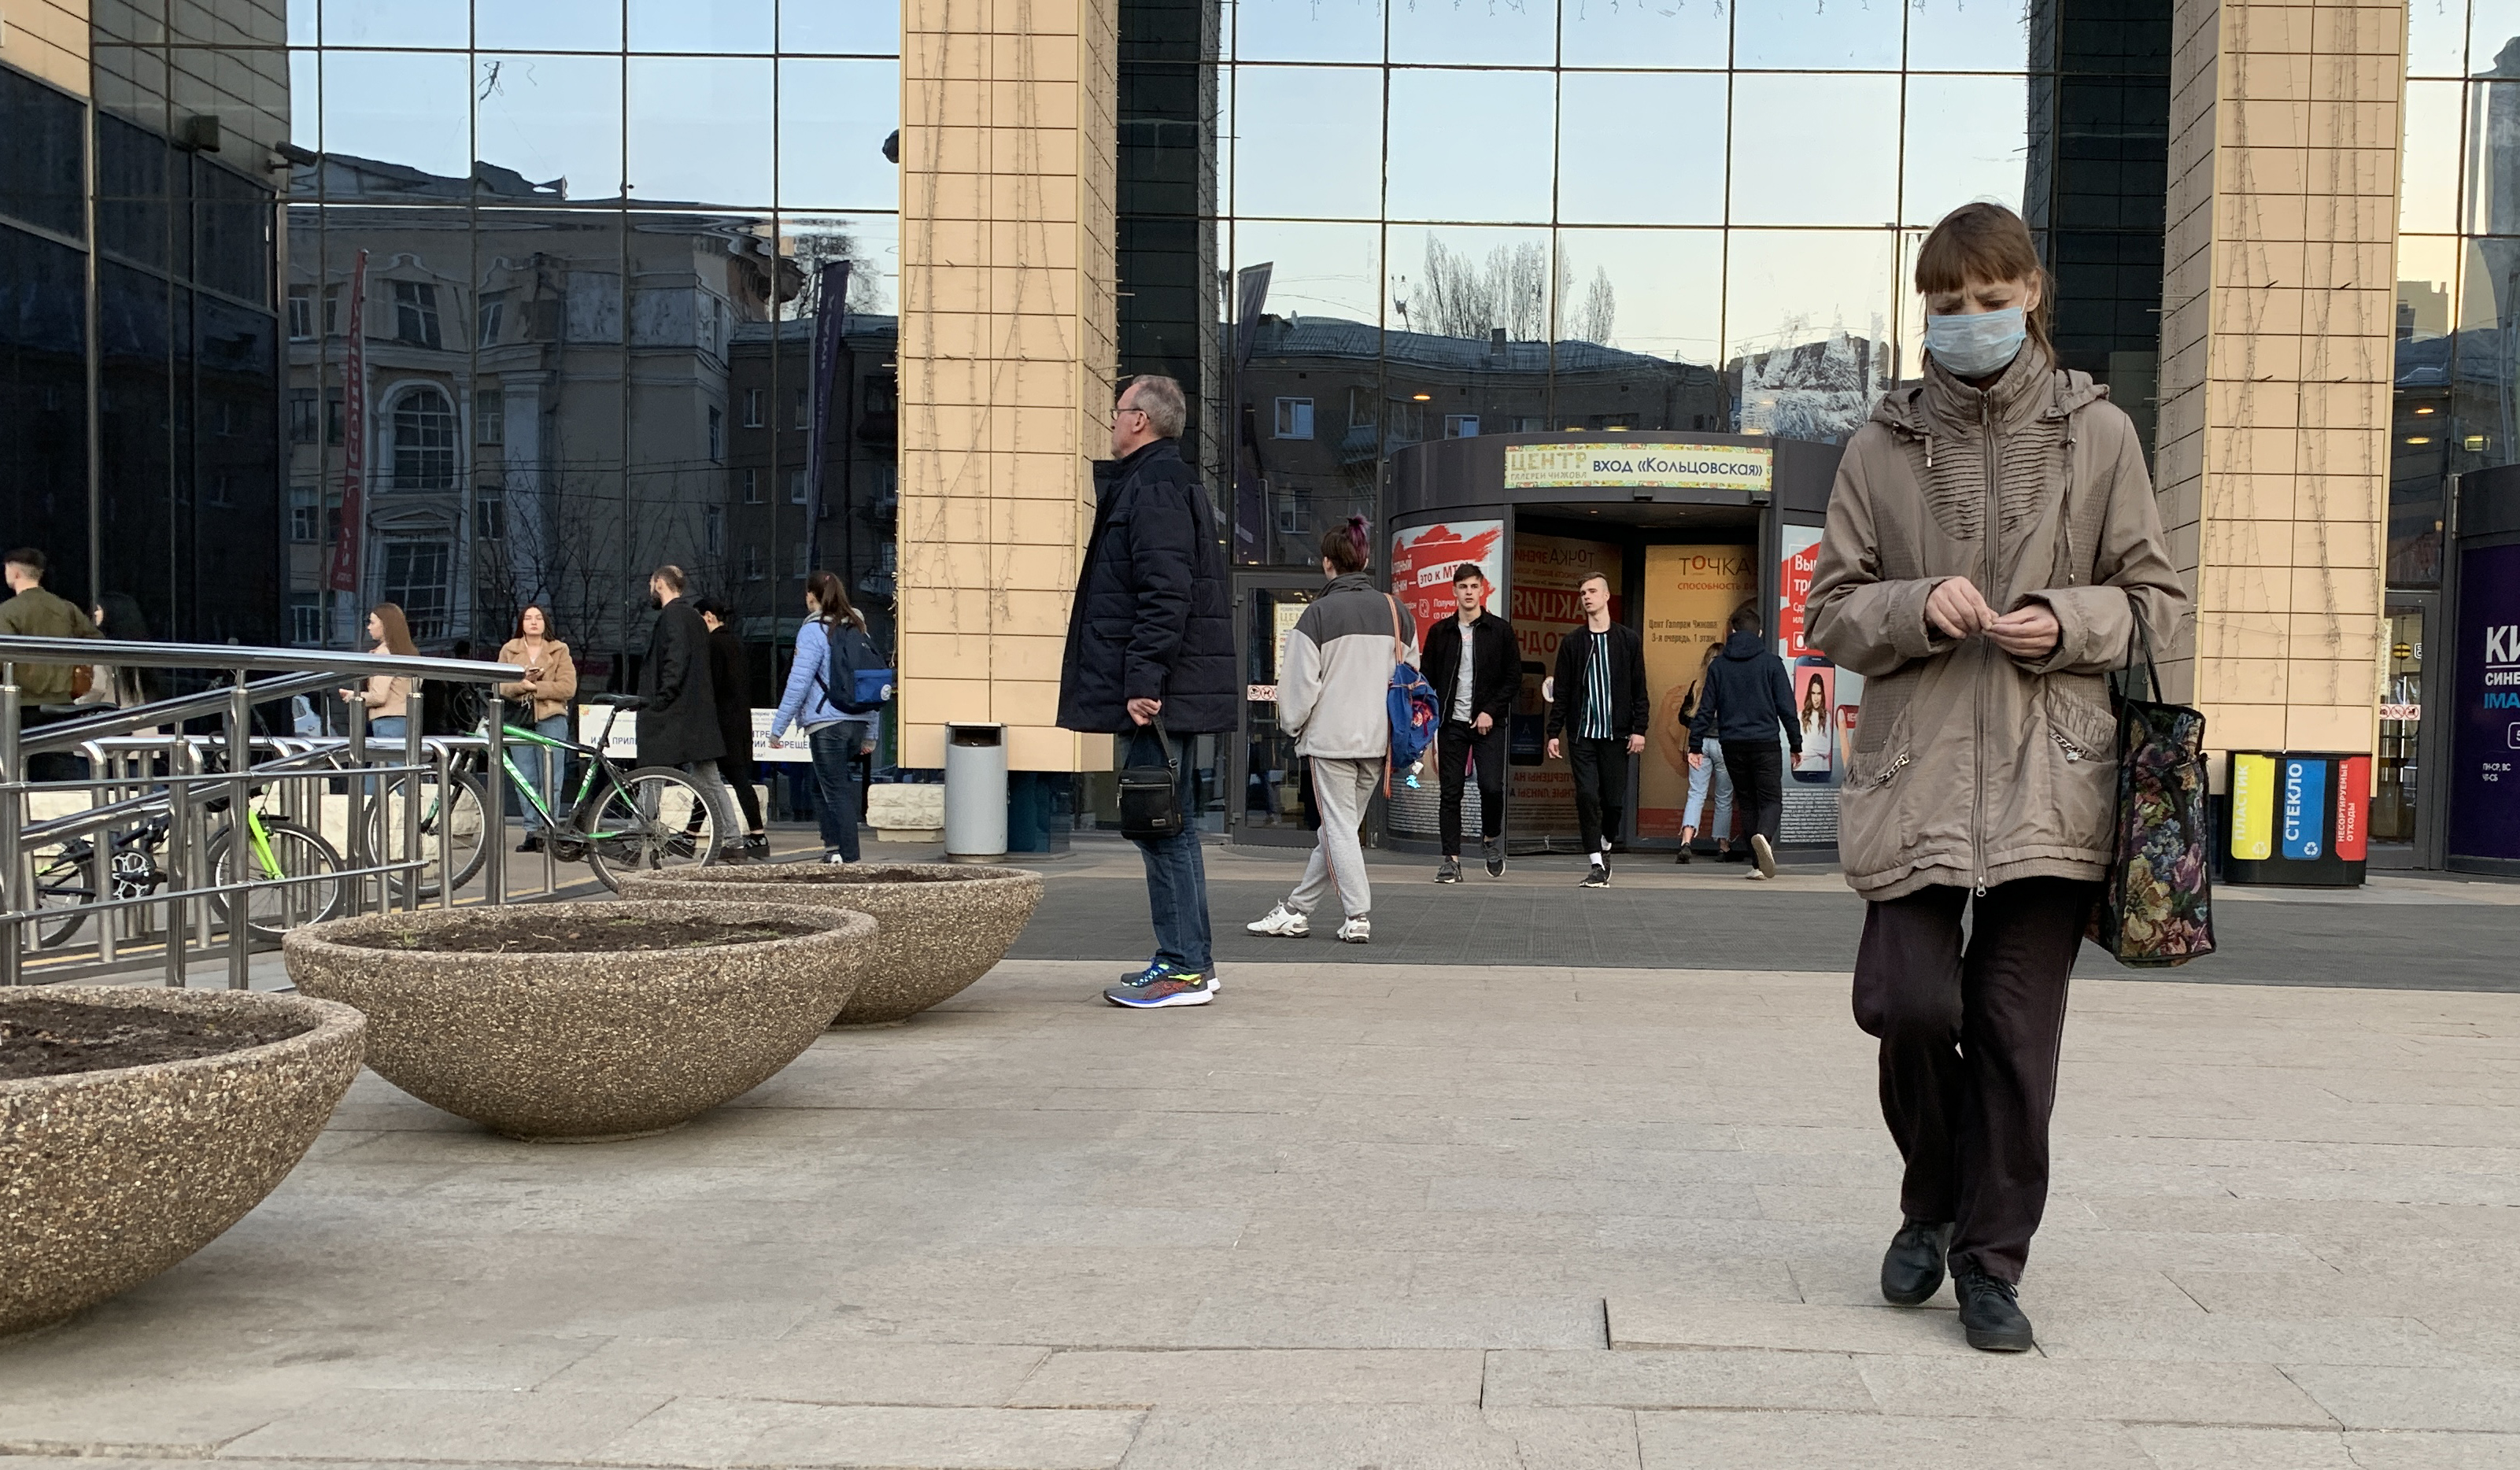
545	769
1700	778
835	749
1176	872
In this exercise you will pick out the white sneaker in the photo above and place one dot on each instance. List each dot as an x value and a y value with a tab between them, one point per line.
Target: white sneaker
1356	931
1281	921
1755	875
1763	855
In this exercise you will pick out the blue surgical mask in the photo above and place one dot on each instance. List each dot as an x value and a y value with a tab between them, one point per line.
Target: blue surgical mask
1978	345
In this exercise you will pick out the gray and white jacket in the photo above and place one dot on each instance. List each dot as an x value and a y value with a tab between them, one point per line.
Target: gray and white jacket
1335	677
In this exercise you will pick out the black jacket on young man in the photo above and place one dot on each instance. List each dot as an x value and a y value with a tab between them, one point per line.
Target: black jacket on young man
1496	666
679	723
1152	618
1631	711
1747	697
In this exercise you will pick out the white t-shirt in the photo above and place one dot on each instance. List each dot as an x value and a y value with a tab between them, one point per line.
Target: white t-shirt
1462	681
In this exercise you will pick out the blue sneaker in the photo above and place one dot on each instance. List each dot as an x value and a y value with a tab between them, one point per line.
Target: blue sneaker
1157	969
1161	985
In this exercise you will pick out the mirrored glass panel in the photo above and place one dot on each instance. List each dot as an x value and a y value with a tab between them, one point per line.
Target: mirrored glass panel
2436	37
547	25
2485	412
2492	25
556	120
1305	412
1861	34
1667	33
2429	165
2492	192
1308	141
394	23
410	107
1500	34
1970	35
1967	139
1648	295
1470	145
1304	31
833	116
1815	150
701	129
867	27
1806	320
733	25
1316	270
871	243
1614	169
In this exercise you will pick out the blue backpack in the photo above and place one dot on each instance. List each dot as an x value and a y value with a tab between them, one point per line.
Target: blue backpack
1412	704
854	678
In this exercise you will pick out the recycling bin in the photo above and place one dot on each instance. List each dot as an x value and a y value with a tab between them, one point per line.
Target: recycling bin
2298	817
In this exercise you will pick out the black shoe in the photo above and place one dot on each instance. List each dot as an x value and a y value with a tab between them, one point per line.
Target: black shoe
1606	866
533	843
1449	870
1596	876
1912	1269
1494	851
1733	855
1991	1312
757	844
1684	855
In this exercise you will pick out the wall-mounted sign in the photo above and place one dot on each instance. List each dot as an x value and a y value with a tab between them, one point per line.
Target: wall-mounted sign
1422	561
2484	707
1639	466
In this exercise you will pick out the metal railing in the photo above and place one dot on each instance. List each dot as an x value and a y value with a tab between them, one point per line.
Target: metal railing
148	841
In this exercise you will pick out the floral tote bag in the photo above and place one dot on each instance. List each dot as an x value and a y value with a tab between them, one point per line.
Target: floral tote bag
2157	910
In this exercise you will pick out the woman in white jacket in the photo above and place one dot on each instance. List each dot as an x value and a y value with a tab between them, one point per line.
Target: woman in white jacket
1333	687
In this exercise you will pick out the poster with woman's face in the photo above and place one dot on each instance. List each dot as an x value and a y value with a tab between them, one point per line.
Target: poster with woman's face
1815	687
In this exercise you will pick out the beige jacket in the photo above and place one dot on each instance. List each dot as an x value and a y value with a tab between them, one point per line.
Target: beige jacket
1971	767
552	690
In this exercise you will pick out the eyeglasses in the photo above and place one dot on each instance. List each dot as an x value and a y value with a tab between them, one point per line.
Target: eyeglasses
1128	409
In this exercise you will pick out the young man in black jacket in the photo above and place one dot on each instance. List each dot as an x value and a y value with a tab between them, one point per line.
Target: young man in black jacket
1598	705
1747	698
678	723
1475	670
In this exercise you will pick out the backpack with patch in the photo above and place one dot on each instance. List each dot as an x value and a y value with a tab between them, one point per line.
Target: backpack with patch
1412	703
854	679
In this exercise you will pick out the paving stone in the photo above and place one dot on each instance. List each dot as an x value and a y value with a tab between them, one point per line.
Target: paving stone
1569	1439
804	1370
2389	1342
350	1424
1319	1436
1711	1378
2175	1447
1704	1440
2433	1451
1341	1320
700	1430
1985	1386
2486	1400
1090	1380
189	1418
1660	1321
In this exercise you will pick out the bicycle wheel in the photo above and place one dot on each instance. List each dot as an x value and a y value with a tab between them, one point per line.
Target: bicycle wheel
65	885
275	909
464	821
651	819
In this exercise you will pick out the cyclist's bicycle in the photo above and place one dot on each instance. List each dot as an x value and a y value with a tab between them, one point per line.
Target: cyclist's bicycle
65	875
623	818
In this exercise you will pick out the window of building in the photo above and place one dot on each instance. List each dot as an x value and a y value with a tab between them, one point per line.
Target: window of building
1360	407
306	618
1294	418
415	579
1460	425
301	313
332	311
489	416
494	314
416	313
333	416
801	412
796	487
305	513
713	530
490	514
716	432
751	486
301	415
424	440
805	561
753	562
755	406
882	393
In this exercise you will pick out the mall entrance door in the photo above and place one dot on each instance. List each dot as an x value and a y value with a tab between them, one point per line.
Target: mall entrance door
1265	789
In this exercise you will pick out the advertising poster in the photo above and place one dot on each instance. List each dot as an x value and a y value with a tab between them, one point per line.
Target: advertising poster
1827	697
1423	559
1689	593
1540	799
1621	465
2485	703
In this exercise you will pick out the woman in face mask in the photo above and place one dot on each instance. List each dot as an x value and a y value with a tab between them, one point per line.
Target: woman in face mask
1992	543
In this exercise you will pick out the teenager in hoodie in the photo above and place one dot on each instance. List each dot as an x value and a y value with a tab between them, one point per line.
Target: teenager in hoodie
1333	696
1749	700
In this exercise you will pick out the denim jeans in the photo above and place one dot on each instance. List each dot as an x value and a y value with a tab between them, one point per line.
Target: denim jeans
545	769
1176	872
1700	778
835	749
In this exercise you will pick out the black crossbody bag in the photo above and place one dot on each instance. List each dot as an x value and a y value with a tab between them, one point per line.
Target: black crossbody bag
1150	795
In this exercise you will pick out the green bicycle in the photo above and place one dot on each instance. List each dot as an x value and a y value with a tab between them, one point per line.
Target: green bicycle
622	819
64	874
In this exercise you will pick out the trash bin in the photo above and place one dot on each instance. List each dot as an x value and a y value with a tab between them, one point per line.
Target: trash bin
975	793
2298	817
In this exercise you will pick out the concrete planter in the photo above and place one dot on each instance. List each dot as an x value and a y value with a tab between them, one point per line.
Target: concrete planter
108	1178
583	1045
941	926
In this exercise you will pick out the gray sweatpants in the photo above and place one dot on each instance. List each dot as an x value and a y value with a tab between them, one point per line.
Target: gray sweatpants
1341	787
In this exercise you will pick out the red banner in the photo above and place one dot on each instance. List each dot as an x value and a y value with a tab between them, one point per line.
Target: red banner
1793	584
344	573
2350	840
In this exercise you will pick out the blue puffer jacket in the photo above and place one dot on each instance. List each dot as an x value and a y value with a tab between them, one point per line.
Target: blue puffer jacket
1151	619
804	701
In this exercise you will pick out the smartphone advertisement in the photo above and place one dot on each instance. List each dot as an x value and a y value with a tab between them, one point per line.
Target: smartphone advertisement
1827	699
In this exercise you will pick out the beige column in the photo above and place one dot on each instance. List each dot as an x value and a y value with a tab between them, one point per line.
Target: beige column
48	38
1007	347
2278	308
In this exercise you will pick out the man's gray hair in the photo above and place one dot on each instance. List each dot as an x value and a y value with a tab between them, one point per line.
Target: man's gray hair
1161	398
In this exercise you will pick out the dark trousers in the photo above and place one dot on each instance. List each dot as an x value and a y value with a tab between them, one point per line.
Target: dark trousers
834	750
1969	1051
1457	749
1600	788
1758	772
1176	870
736	769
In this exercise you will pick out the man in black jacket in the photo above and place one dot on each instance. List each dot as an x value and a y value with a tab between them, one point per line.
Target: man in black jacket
1151	637
1747	698
678	723
1475	670
1598	705
730	681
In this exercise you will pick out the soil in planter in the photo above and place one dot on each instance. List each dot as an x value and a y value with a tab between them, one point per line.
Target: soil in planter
56	1038
620	935
805	872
